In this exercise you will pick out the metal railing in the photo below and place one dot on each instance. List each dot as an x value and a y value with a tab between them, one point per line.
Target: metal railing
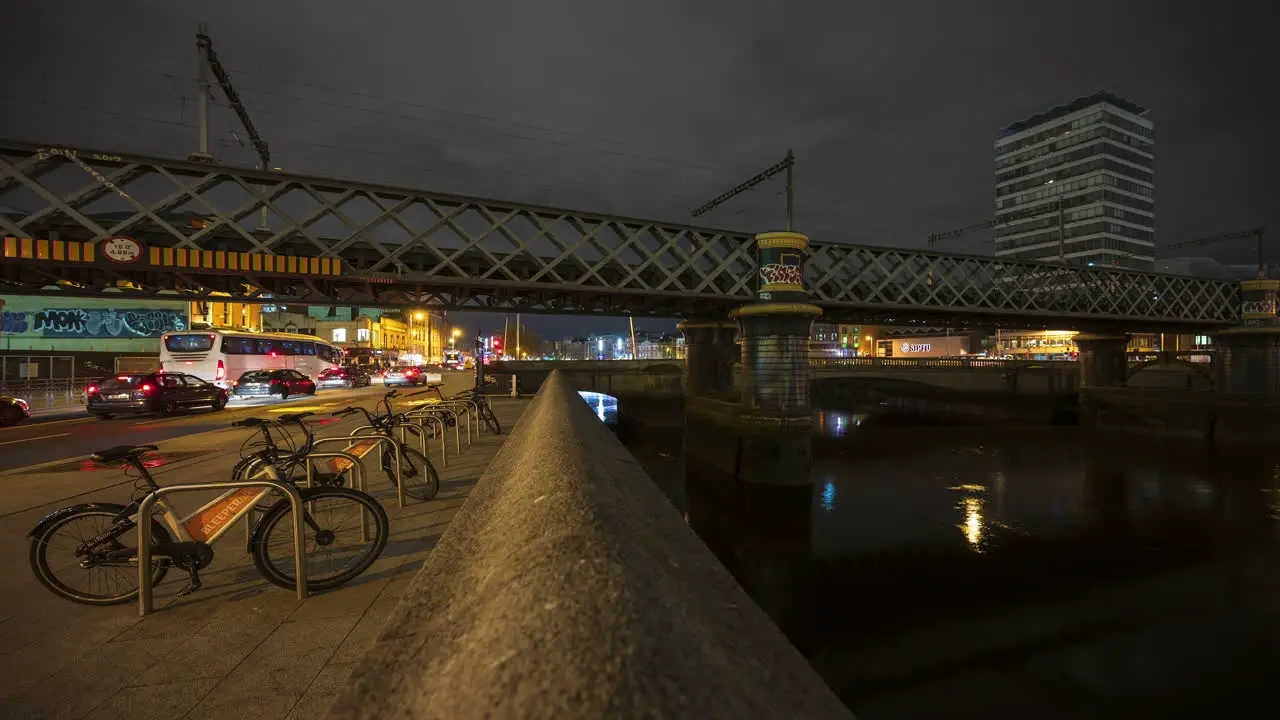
49	392
927	363
147	508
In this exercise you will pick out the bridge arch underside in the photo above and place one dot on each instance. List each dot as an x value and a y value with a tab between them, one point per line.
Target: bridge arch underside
399	245
1171	374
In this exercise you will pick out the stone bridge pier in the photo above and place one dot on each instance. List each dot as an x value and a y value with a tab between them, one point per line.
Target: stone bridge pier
761	433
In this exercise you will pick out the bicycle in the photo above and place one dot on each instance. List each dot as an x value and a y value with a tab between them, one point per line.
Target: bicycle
107	542
421	481
475	395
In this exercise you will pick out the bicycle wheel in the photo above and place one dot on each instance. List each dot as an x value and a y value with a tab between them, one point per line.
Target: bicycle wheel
490	420
337	551
73	576
421	481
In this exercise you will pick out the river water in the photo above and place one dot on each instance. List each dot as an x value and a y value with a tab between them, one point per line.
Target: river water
1009	572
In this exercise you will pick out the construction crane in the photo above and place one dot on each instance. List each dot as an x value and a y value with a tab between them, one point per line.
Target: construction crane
787	165
935	238
1255	233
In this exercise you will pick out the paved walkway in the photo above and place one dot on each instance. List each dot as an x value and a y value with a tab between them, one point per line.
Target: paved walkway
240	648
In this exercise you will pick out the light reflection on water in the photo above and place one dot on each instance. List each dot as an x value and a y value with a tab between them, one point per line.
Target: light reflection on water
837	424
605	406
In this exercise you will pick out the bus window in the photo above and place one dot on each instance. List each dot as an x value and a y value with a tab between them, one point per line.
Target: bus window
189	343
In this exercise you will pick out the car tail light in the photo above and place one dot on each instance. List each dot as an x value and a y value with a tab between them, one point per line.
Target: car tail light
275	381
122	377
222	372
91	389
146	388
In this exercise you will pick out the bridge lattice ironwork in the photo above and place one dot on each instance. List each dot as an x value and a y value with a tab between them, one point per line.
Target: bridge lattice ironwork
401	245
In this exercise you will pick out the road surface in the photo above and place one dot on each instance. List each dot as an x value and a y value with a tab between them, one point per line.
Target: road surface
74	434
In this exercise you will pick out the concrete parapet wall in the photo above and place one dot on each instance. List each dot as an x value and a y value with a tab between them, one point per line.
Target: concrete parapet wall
568	587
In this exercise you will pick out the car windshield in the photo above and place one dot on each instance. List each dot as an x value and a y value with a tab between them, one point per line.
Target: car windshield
123	382
255	376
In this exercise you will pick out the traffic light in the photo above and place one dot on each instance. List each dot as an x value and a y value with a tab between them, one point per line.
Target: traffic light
497	345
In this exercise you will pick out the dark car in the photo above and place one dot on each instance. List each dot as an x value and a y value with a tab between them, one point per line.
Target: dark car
13	410
260	383
162	392
403	375
351	376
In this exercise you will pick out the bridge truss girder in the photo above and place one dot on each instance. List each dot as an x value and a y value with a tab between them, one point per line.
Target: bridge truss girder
401	245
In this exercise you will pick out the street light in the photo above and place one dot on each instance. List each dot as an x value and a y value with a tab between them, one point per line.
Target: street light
453	338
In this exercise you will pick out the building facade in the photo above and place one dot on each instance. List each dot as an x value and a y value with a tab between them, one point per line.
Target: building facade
410	337
835	340
1077	183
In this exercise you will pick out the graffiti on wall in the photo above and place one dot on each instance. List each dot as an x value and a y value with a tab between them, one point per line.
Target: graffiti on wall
13	322
77	323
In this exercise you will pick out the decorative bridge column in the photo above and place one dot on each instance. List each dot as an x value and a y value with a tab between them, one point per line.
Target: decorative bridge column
710	348
1248	363
776	414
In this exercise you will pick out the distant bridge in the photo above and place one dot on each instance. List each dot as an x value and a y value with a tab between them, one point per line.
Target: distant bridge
397	246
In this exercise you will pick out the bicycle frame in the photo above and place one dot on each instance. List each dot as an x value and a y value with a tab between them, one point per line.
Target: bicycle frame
212	520
146	508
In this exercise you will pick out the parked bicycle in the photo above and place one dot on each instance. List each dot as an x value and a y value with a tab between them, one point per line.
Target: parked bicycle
95	542
421	481
475	395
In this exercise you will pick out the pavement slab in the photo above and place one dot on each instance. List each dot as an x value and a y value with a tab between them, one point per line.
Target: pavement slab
240	647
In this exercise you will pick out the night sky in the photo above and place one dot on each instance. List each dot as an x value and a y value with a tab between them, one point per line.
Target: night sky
650	109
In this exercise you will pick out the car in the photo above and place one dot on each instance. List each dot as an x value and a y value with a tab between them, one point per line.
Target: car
403	375
13	410
261	383
161	392
351	376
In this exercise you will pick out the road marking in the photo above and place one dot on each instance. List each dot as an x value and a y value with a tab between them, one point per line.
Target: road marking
42	437
26	425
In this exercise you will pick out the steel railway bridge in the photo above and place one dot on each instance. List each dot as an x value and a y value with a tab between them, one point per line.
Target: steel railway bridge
197	230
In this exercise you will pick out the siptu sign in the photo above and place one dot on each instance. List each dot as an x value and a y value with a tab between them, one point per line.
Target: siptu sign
908	348
121	249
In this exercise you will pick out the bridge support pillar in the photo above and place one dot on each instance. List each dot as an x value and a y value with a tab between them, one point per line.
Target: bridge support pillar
776	416
1249	356
1104	360
710	347
1104	363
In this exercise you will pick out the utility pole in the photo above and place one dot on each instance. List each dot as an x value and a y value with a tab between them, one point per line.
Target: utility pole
634	351
1062	235
515	390
203	47
210	65
786	165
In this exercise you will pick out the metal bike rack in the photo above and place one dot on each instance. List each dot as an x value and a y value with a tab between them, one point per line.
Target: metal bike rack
357	465
147	507
422	436
426	410
395	455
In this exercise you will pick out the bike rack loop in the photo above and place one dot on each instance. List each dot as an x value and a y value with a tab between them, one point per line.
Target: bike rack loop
384	439
422	436
426	410
357	465
147	507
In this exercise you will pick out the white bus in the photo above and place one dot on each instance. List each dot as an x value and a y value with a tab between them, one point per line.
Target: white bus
222	356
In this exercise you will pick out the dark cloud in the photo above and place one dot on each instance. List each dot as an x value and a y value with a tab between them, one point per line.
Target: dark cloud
649	109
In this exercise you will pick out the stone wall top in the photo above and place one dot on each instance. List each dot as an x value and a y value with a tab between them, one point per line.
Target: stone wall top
568	587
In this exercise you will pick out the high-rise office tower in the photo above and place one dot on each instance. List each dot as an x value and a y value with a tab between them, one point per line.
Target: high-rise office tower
1076	183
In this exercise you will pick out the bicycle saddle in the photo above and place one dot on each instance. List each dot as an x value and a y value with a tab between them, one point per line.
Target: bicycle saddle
121	452
291	417
250	422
